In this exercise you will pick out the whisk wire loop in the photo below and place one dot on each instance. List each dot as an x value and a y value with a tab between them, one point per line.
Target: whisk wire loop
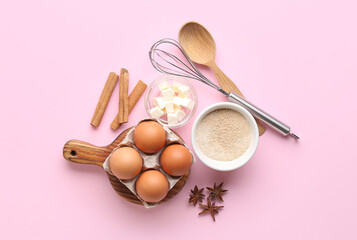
168	63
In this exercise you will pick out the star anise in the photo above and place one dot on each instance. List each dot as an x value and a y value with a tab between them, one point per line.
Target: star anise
211	208
196	195
216	191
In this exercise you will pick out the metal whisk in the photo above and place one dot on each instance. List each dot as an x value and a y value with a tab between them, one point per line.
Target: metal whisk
168	63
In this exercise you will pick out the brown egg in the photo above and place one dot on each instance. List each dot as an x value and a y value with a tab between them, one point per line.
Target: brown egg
152	186
149	136
176	160
125	163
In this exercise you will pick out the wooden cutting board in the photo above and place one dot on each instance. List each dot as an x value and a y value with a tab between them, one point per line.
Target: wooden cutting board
86	153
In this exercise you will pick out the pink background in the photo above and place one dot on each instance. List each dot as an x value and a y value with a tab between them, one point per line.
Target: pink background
295	59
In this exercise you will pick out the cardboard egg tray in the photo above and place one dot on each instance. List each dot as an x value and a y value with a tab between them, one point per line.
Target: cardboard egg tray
150	161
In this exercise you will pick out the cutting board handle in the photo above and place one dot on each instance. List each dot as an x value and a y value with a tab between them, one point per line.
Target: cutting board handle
82	152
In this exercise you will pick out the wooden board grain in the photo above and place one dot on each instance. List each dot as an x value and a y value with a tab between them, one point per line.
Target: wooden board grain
85	153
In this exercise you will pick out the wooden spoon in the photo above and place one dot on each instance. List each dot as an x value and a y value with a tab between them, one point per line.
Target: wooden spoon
85	153
201	48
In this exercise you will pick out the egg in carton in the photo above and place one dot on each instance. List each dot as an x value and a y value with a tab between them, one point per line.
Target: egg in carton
150	161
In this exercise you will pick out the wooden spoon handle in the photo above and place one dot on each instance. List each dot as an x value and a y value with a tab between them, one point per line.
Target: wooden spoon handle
224	81
229	86
82	152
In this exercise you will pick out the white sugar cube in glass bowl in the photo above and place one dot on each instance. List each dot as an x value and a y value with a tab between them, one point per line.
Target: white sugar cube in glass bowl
172	100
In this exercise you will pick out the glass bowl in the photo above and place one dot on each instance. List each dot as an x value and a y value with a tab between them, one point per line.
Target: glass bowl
154	91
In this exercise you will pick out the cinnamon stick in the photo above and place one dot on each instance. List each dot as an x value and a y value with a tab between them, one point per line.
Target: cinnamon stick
133	99
126	97
123	95
104	99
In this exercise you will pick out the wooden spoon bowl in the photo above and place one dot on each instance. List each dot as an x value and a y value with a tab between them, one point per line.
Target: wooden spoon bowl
85	153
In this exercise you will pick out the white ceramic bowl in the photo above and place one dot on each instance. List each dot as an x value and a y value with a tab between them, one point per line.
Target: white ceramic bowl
235	163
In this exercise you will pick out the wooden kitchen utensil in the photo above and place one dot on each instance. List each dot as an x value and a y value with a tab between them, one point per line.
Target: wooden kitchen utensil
85	153
201	48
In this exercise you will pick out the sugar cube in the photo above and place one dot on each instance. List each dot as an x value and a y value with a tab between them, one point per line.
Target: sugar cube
163	85
159	101
184	91
156	112
169	106
180	114
172	119
188	103
177	101
176	85
167	94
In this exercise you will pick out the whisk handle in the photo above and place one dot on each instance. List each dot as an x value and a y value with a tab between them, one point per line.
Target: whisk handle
261	115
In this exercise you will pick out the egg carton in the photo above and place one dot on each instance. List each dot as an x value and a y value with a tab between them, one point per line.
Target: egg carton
150	161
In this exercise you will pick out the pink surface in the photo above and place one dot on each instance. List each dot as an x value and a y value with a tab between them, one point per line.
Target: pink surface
295	59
